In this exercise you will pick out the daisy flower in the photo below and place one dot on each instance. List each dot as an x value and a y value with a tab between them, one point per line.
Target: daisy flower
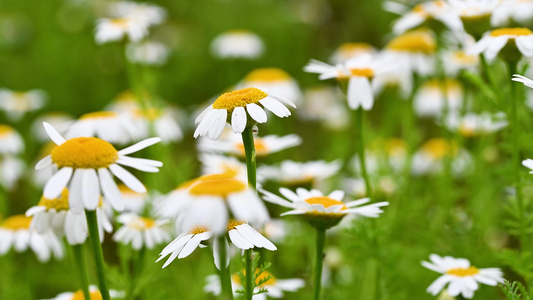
471	125
11	169
163	123
275	81
147	53
54	215
107	125
10	140
216	164
430	100
60	120
93	291
511	42
148	14
383	154
350	50
185	244
437	10
325	103
457	60
15	232
275	286
461	278
300	173
237	44
86	162
237	108
513	11
16	104
264	146
415	50
430	157
322	211
244	236
475	14
140	231
111	30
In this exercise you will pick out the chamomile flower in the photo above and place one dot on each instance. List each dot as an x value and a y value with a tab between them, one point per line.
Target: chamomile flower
10	140
275	286
512	43
350	50
148	14
430	100
415	50
300	173
264	146
11	169
140	231
93	292
15	232
237	44
471	125
275	81
457	60
162	120
216	164
117	29
325	103
244	236
147	53
513	11
15	103
185	244
86	162
237	108
322	211
54	215
437	10
475	14
429	159
107	125
461	278
60	120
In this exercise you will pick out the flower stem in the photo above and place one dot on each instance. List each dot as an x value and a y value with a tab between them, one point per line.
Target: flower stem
250	274
136	271
249	151
361	150
92	223
320	241
225	280
81	265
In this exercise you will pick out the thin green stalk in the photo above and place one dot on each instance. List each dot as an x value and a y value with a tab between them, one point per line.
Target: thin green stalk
361	149
320	242
249	271
223	273
81	266
98	254
489	74
136	272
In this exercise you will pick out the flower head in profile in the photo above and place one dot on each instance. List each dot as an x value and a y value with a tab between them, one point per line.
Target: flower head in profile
460	276
300	173
18	103
512	12
511	43
141	231
237	44
86	163
117	29
322	211
350	50
472	125
146	13
430	158
430	10
415	50
240	108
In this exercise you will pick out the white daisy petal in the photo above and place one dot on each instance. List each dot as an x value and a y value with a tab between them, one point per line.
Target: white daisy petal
139	146
256	113
57	183
129	180
110	189
53	134
238	119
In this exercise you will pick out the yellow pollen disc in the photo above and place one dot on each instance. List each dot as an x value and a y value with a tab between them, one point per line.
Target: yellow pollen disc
369	73
142	223
510	31
267	75
6	130
260	147
232	224
99	115
264	275
349	49
120	22
464	59
438	148
58	204
150	114
466	131
16	222
79	295
148	223
198	230
419	9
450	84
325	201
218	187
84	153
462	272
230	173
239	98
414	41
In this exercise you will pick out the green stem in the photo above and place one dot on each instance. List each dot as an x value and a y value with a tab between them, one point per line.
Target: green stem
98	254
249	151
250	274
361	149
320	242
81	265
225	280
136	272
489	75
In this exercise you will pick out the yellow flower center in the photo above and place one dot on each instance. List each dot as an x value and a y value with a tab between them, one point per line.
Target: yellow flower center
366	72
99	115
395	146
510	31
58	204
325	201
348	49
438	148
79	295
239	98
198	230
217	187
84	153
466	130
450	84
464	59
462	272
126	191
267	75
232	224
16	222
264	275
142	223
120	22
414	41
6	130
261	148
150	114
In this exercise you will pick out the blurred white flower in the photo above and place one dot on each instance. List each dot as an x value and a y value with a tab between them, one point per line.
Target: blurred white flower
294	173
237	44
15	103
494	41
325	103
111	30
60	120
471	124
264	146
107	125
513	11
437	10
11	141
275	81
347	51
148	53
93	292
148	14
414	50
11	169
430	158
140	231
430	100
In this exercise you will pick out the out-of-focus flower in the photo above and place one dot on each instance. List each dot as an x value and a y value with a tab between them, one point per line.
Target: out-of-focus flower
475	14
163	121
347	51
11	169
86	162
107	125
10	140
112	30
430	100
432	154
471	125
15	232
140	231
275	81
147	53
300	173
60	120
216	164
383	154
431	10
54	215
133	201
237	44
275	286
146	13
93	292
16	104
243	105
513	11
415	50
325	103
461	278
457	60
512	43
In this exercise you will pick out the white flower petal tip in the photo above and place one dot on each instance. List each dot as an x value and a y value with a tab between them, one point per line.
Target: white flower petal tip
53	134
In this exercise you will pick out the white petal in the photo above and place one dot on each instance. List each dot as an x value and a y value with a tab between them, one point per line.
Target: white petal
57	183
239	241
129	180
139	146
276	107
110	189
256	112
53	134
218	123
90	189
238	119
43	163
75	202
